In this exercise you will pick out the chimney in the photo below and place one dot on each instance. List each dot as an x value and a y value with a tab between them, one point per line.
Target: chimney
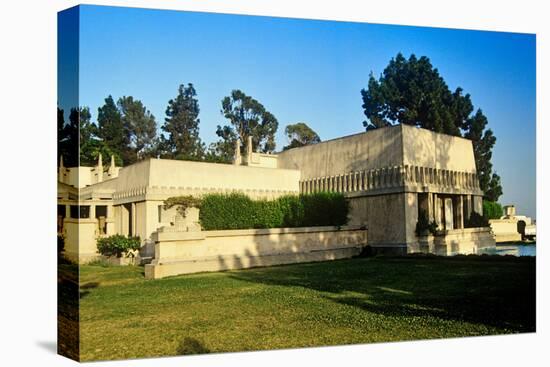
237	159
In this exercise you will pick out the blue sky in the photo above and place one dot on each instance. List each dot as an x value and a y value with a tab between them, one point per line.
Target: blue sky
308	70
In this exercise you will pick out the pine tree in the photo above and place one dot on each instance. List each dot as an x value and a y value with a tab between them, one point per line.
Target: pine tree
412	92
182	126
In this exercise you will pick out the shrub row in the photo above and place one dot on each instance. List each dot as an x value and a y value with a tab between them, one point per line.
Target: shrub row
238	211
476	221
492	210
118	245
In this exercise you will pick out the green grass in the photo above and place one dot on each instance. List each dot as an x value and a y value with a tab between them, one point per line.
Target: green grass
364	300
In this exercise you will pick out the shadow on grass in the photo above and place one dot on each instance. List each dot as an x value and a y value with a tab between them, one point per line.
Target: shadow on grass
191	346
68	311
84	288
493	292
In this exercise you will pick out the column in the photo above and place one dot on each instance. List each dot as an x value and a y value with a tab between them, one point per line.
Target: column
437	211
460	212
448	210
431	214
133	218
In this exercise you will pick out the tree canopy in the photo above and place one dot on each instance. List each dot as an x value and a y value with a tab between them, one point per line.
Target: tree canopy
140	127
299	135
111	131
182	126
67	137
411	91
247	117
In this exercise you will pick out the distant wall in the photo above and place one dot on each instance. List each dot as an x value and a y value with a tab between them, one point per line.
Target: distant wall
192	252
223	176
457	241
375	149
505	230
381	148
426	148
384	218
80	239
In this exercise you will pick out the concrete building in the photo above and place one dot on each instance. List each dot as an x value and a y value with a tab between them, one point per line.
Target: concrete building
512	227
389	175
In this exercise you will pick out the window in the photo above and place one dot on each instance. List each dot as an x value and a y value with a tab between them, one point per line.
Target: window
101	211
61	211
82	211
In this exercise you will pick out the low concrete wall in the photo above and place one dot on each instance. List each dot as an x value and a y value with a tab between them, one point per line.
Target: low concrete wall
457	241
80	240
192	252
505	230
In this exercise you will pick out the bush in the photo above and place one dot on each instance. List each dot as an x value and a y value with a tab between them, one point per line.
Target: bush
476	221
492	210
424	226
183	202
118	245
238	211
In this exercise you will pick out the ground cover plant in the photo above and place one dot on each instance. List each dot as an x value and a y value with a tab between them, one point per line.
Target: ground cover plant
362	300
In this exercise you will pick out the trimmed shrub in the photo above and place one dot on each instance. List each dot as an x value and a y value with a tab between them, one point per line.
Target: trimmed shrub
424	226
325	209
293	210
118	245
492	210
231	211
476	221
238	211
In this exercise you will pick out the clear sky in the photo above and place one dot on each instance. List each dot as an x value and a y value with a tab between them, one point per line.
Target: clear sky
308	70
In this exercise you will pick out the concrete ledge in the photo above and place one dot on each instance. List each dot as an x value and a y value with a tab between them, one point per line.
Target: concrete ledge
267	231
453	242
229	262
184	252
507	237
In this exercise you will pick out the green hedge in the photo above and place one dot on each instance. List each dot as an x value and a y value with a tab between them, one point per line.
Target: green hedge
492	210
118	245
238	211
476	221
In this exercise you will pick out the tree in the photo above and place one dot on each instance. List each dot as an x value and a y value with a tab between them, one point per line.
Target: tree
223	150
67	141
494	188
70	139
182	126
112	132
88	138
140	127
412	92
247	117
299	135
483	141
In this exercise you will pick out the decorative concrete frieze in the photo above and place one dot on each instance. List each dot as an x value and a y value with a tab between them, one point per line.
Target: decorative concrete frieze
392	177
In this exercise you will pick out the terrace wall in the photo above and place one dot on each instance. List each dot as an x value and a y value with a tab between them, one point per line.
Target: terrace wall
202	251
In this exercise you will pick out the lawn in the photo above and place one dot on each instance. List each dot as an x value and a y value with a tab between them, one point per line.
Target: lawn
364	300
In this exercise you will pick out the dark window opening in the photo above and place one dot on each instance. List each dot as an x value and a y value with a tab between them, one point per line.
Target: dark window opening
101	211
80	211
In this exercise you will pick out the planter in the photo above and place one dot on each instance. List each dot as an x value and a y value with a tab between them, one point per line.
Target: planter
132	259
